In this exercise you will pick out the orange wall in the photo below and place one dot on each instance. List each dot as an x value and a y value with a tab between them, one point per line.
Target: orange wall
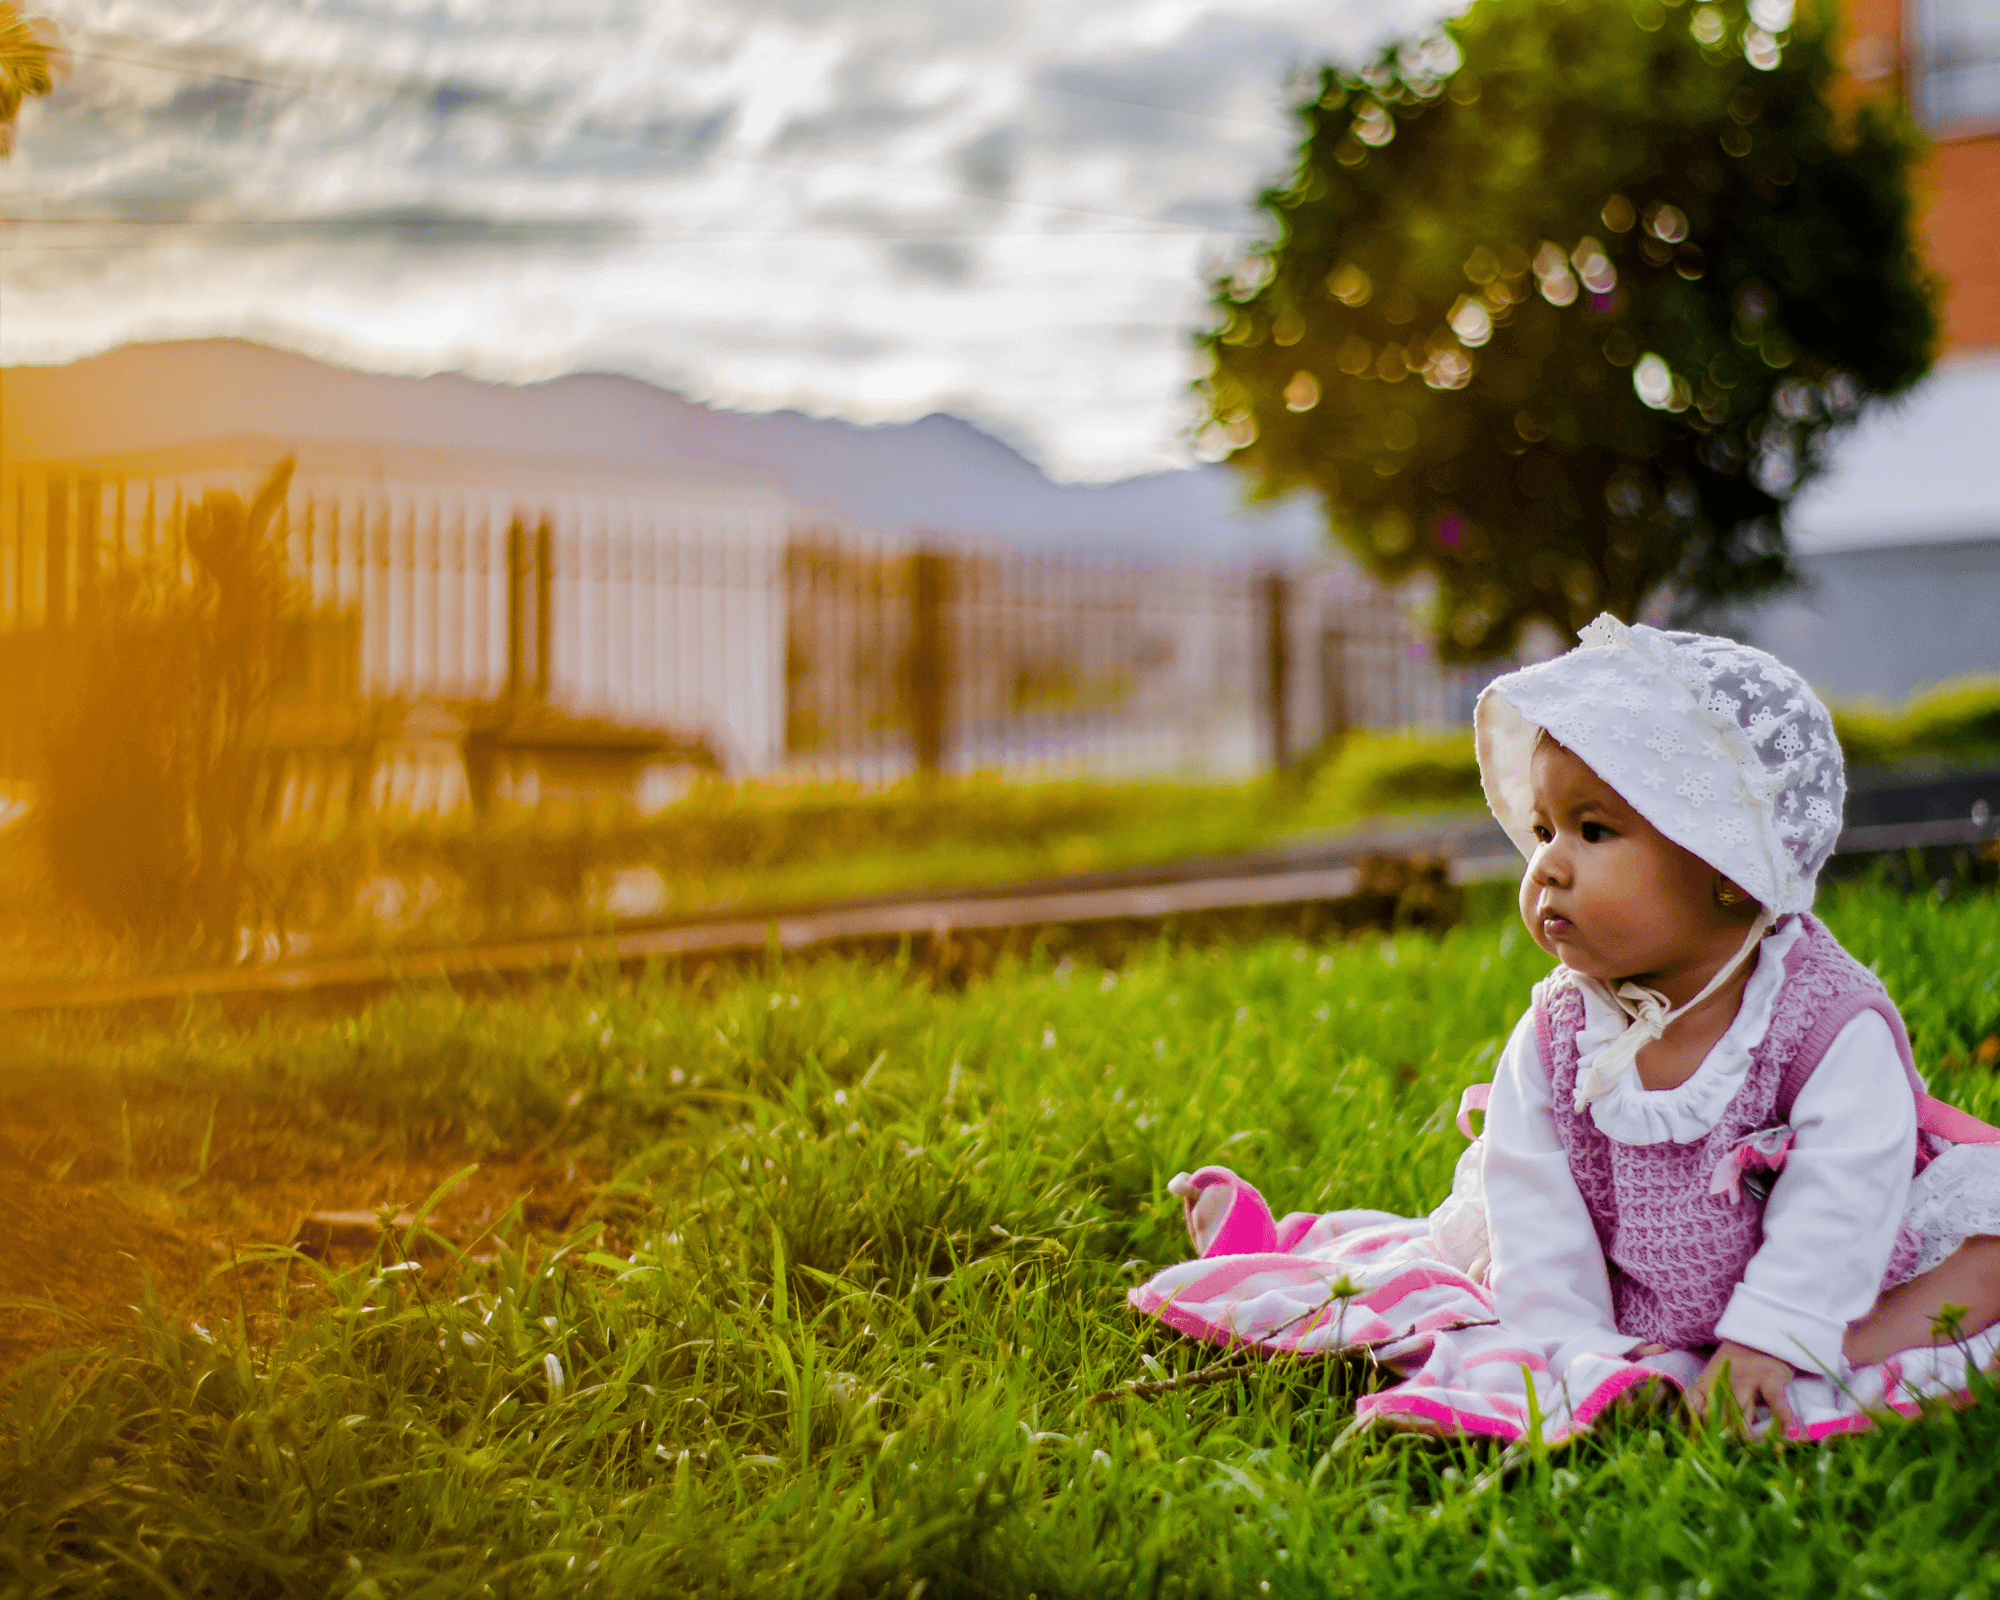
1960	184
1964	228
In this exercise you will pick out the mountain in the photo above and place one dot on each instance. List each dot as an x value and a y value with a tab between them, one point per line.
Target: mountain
938	474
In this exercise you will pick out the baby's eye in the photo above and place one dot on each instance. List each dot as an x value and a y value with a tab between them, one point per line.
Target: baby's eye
1594	832
1542	834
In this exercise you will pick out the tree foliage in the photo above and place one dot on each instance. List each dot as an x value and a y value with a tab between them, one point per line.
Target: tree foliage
29	61
1564	302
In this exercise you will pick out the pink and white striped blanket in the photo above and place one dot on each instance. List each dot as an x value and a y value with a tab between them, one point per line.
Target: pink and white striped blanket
1348	1282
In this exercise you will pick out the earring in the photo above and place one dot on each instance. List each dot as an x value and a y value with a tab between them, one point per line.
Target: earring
1727	894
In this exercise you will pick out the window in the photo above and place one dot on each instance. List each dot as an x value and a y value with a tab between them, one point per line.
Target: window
1955	53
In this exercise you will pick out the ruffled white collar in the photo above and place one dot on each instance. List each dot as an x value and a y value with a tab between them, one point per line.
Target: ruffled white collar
1633	1114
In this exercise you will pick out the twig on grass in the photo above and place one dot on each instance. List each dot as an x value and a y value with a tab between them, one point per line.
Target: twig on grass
1144	1388
1234	1362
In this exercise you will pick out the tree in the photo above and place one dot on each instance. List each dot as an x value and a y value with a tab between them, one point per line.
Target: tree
28	63
1564	302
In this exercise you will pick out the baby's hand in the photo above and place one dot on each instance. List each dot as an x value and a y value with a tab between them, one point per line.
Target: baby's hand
1753	1376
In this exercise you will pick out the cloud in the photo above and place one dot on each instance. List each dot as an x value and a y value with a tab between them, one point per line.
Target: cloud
933	258
987	163
871	210
855	124
212	105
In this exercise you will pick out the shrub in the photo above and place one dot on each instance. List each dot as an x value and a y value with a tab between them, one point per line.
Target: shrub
1955	721
1375	772
518	868
152	731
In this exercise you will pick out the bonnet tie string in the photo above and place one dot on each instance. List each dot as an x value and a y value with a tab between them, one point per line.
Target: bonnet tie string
1650	1016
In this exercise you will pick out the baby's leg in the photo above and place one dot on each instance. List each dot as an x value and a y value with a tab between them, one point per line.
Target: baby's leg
1901	1317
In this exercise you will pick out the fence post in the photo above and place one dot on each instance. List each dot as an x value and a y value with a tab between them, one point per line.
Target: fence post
930	666
544	577
1277	666
89	538
55	555
1333	712
517	576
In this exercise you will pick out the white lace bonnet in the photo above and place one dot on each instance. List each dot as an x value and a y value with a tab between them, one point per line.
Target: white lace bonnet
1721	747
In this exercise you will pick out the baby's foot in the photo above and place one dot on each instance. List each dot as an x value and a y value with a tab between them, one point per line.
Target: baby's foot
1225	1216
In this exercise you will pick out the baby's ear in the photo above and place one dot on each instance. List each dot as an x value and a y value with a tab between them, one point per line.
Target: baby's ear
1728	895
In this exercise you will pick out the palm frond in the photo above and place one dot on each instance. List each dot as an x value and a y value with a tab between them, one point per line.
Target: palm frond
29	61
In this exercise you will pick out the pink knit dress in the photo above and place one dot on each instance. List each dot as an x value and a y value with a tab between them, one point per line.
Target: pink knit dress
1674	1250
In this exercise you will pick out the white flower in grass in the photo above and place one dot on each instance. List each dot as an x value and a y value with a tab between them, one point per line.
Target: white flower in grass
553	1371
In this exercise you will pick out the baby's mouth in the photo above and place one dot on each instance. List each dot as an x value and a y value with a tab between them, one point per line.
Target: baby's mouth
1555	924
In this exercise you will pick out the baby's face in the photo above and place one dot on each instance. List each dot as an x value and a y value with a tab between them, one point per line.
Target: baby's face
1608	894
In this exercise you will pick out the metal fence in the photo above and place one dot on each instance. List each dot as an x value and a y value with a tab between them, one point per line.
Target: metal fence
434	596
962	659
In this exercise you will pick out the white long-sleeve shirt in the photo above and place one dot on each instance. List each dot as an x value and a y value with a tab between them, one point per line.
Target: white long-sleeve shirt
1829	1224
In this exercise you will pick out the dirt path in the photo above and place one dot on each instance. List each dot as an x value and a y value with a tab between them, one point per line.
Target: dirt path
92	1227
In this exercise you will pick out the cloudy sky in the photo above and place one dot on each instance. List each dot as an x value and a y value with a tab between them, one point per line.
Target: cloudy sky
865	208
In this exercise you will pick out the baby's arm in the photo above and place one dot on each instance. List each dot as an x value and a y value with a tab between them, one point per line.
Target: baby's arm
1549	1279
1832	1217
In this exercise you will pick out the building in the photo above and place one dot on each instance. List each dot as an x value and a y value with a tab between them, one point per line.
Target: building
1900	541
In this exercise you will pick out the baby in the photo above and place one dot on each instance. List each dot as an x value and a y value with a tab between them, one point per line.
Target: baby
1707	1149
1678	795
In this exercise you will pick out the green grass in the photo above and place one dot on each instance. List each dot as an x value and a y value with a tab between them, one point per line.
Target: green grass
760	844
426	882
765	845
866	1250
